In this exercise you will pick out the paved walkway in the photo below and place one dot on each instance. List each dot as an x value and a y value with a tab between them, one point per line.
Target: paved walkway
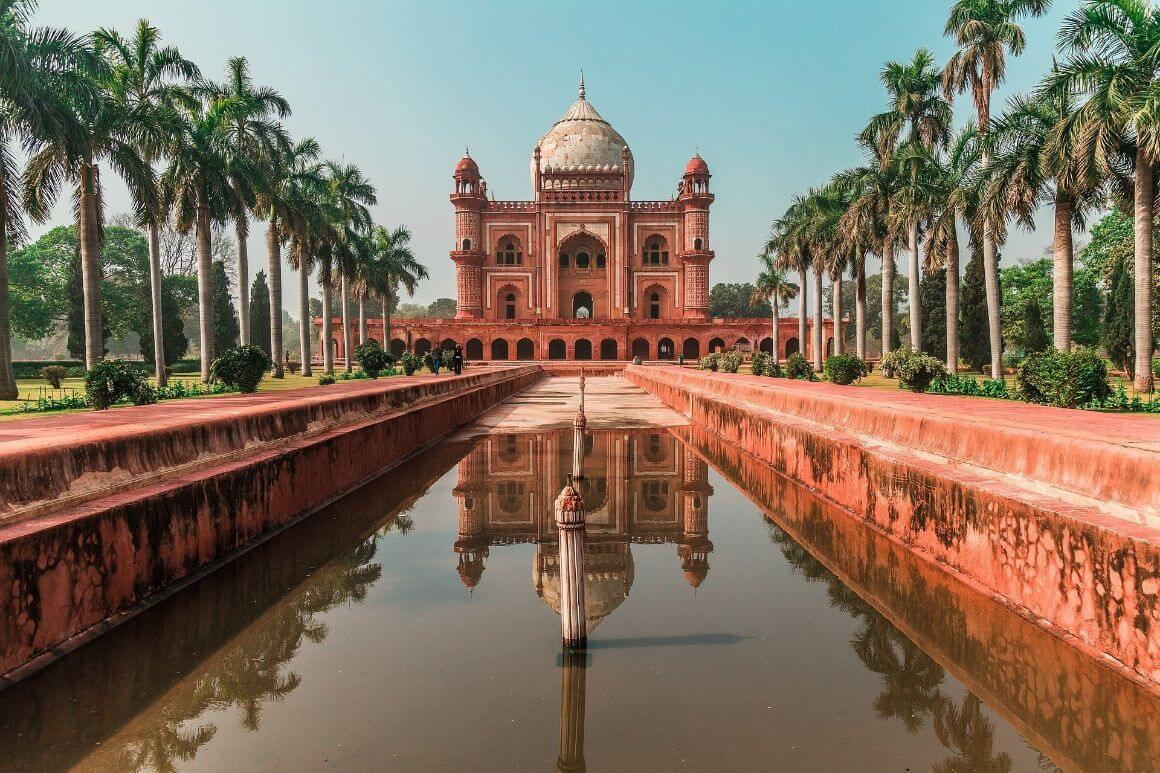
611	402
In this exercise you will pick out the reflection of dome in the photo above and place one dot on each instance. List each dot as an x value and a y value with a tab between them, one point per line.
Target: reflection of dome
608	575
582	141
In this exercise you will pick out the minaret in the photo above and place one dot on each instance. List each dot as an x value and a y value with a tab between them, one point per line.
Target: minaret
695	546
469	198
570	525
471	546
695	200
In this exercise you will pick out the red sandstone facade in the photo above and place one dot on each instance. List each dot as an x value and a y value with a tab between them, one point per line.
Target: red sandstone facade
583	271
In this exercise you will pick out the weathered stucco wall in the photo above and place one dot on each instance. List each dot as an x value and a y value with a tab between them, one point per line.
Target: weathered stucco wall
1057	557
77	567
1081	714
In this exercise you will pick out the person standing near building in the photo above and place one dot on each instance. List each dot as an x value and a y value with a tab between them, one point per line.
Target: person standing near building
457	360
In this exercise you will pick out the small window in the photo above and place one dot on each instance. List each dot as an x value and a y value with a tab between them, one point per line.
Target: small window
563	260
600	260
510	306
509	255
654	310
582	260
697	244
466	245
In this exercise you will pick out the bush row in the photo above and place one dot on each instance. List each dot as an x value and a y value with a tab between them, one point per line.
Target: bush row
25	369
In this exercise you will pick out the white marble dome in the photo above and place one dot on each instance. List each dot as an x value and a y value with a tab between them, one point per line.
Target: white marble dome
582	141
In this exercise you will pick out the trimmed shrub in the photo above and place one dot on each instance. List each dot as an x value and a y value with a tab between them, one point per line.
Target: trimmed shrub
730	362
773	369
326	379
1156	367
25	369
372	358
845	368
110	381
1064	379
709	362
447	359
410	362
761	361
185	366
241	368
914	371
53	374
798	367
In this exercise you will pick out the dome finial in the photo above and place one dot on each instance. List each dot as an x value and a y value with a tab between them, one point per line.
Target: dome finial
580	91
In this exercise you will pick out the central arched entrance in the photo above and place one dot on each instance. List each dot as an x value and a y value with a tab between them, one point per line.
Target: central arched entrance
557	350
583	349
582	305
608	349
525	349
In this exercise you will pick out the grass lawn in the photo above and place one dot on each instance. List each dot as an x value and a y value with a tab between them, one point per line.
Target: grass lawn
32	389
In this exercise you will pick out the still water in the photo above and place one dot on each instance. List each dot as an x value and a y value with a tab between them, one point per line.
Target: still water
412	626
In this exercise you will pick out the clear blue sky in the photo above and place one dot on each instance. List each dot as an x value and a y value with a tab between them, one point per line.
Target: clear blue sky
771	93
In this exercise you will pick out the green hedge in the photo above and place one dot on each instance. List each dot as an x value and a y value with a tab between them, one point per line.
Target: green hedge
76	368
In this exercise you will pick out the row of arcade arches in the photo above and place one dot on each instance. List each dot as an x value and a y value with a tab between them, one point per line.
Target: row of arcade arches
584	349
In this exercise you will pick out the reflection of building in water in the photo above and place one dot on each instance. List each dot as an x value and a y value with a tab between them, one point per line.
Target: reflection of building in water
637	487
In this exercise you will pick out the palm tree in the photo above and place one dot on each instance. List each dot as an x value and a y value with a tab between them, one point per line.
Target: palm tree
1035	163
279	200
143	76
399	267
773	284
1114	48
198	186
347	195
36	67
255	135
788	240
874	187
985	31
954	196
108	129
917	108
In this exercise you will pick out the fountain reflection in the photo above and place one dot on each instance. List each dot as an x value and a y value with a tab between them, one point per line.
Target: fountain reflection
638	487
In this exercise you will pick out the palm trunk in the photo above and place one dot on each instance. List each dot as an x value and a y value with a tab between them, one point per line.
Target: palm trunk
887	293
362	317
89	235
819	320
387	322
305	325
836	288
155	294
860	305
803	314
242	228
776	347
204	287
913	289
8	389
952	312
994	321
345	323
327	325
274	251
1061	276
1143	269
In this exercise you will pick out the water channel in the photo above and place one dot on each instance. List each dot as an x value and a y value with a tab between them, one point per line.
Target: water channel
412	625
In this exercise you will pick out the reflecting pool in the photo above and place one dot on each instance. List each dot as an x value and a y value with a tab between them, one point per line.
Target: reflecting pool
735	621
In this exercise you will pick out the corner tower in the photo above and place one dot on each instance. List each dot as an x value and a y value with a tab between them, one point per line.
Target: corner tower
469	199
695	200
